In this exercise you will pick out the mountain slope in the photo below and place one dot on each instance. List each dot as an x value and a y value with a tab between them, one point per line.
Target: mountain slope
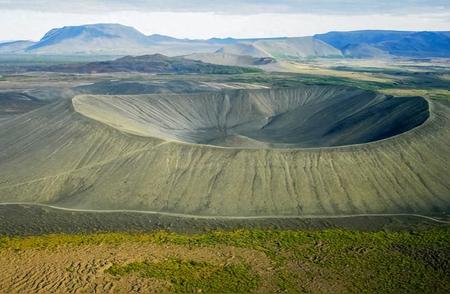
421	44
342	39
302	47
396	43
88	39
114	39
364	50
243	49
15	46
284	48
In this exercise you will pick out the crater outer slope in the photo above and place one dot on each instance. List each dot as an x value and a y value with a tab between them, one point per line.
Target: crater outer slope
309	116
55	155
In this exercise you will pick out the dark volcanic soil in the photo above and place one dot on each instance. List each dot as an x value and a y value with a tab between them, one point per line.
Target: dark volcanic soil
37	220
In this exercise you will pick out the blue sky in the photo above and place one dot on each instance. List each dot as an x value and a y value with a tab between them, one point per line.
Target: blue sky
30	19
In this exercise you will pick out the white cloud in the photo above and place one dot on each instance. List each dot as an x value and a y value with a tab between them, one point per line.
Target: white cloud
26	24
232	6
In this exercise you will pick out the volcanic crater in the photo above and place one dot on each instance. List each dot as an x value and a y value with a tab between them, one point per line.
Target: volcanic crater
305	117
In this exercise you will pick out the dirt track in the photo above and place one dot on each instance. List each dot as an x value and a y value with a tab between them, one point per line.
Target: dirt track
37	220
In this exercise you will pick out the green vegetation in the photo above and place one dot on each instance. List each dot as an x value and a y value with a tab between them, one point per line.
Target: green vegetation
363	262
192	276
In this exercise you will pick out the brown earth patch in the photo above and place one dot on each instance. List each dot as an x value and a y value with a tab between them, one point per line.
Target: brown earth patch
81	269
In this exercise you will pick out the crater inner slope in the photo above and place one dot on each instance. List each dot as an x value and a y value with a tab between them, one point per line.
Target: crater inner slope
309	116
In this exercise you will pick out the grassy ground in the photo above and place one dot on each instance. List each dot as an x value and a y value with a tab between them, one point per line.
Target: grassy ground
190	276
300	261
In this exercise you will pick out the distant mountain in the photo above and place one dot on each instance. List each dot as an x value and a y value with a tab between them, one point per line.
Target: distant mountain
157	38
244	49
303	47
230	41
224	41
155	63
364	50
394	43
116	39
421	44
91	39
113	39
120	40
13	47
340	40
283	48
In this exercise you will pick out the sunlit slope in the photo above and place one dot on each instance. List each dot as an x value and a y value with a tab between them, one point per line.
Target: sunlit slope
56	156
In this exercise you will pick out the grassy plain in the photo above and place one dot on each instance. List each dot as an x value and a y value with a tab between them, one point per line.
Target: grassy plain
309	261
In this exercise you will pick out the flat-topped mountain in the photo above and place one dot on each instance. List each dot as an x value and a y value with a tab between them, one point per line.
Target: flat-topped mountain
112	39
97	38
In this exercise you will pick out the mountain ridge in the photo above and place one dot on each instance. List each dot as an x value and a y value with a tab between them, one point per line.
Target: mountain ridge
117	39
154	64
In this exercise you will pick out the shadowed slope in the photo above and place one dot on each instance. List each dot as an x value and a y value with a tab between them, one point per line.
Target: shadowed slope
155	63
57	156
310	116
